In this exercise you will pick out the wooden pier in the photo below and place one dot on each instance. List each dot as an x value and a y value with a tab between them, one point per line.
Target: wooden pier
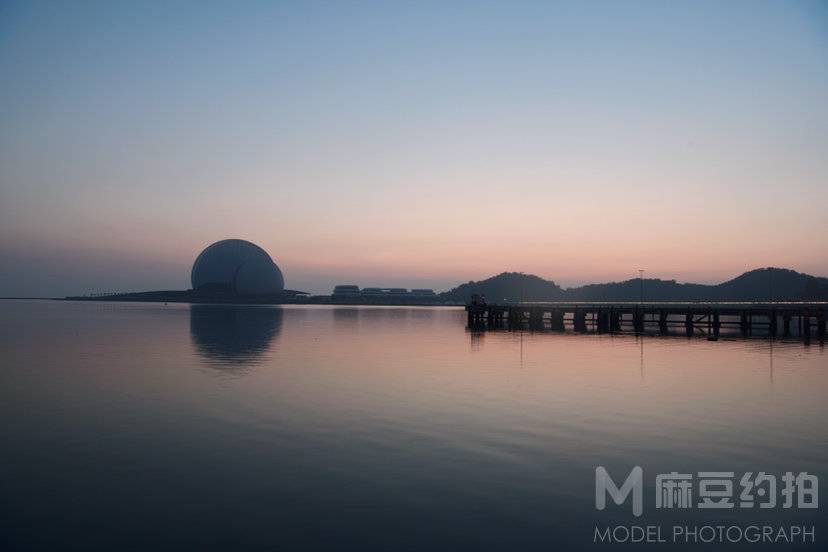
803	320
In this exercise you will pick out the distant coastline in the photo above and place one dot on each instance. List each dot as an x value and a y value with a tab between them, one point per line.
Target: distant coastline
760	285
190	296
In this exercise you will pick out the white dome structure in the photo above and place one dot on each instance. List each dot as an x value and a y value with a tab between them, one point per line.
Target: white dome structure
236	266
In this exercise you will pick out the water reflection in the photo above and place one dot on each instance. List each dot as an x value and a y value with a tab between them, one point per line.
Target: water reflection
233	336
375	427
346	315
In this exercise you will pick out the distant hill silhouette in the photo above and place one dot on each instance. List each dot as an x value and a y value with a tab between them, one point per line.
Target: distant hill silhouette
764	284
509	286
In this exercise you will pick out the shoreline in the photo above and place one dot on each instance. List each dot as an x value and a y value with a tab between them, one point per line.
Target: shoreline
282	299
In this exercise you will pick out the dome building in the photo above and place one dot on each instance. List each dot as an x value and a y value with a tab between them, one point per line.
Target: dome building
238	267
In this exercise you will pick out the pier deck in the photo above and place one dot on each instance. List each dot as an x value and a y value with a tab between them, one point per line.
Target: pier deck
772	319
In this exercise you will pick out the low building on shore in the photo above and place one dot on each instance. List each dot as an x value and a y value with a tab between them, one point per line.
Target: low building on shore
350	292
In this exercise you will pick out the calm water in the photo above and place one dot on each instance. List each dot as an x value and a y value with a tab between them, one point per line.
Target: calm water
145	426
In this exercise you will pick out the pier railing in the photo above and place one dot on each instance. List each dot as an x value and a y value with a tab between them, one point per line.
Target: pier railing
771	319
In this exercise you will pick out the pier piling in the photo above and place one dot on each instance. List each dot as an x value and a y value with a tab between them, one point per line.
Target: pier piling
615	317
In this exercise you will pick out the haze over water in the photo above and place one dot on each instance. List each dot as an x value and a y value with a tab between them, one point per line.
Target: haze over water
230	427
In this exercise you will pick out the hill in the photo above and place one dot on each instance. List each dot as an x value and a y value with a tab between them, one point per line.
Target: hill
508	286
777	284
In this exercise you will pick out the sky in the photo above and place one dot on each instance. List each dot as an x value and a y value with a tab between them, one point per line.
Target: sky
413	144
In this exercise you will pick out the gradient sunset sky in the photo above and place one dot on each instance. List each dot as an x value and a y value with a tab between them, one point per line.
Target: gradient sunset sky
411	143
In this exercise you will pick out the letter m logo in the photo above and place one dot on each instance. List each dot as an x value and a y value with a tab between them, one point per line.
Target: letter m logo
604	485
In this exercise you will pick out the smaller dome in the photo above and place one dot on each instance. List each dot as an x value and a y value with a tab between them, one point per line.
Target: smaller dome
258	277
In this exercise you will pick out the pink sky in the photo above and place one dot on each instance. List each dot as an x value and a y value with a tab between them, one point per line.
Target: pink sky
423	148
